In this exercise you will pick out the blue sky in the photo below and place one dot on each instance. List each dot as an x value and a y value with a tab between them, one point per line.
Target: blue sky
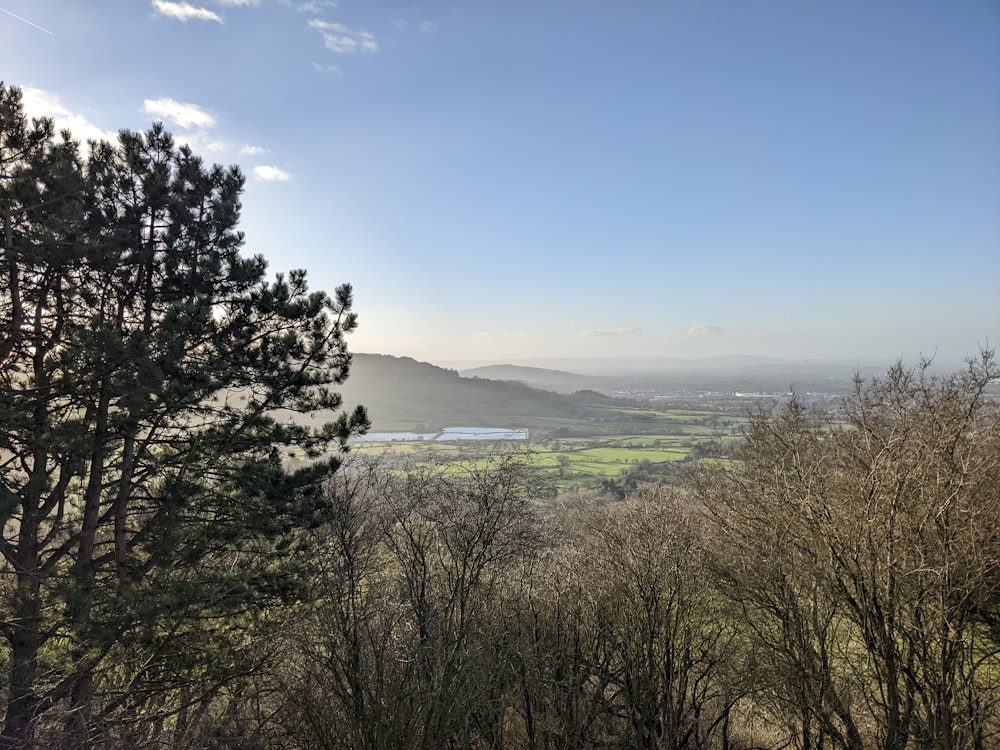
519	180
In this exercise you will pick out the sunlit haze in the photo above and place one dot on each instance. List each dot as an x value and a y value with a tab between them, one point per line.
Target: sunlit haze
506	181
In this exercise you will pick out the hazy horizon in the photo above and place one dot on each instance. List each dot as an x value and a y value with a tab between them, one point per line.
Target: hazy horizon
691	365
556	181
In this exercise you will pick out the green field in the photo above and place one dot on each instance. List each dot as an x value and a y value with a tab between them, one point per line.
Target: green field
576	453
564	466
575	439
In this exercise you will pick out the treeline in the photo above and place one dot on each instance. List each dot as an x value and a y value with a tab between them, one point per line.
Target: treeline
167	581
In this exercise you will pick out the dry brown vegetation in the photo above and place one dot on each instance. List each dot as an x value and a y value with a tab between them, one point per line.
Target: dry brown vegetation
835	587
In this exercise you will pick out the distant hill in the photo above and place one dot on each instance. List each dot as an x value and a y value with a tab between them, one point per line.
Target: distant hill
637	376
627	367
559	381
404	394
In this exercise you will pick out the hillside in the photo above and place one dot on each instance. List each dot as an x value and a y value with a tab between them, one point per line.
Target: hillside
559	381
403	394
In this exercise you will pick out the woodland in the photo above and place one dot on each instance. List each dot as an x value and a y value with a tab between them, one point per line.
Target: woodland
169	579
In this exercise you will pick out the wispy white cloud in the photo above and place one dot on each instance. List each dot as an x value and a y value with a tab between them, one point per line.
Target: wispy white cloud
209	146
339	38
325	68
184	11
609	332
195	122
425	26
179	113
313	6
705	331
268	173
202	142
40	103
239	3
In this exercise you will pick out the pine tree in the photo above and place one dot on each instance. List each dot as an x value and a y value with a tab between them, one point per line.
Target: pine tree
150	375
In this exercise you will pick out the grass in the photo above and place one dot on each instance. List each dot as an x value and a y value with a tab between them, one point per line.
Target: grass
578	453
568	462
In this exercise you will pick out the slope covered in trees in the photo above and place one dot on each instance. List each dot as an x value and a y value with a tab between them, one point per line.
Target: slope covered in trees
400	393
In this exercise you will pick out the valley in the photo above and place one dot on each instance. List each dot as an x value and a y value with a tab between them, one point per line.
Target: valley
578	430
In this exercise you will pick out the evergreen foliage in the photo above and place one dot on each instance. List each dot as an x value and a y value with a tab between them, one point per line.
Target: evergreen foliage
147	373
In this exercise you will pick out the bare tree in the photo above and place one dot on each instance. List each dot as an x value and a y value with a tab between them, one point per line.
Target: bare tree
861	553
406	643
673	647
562	665
624	644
